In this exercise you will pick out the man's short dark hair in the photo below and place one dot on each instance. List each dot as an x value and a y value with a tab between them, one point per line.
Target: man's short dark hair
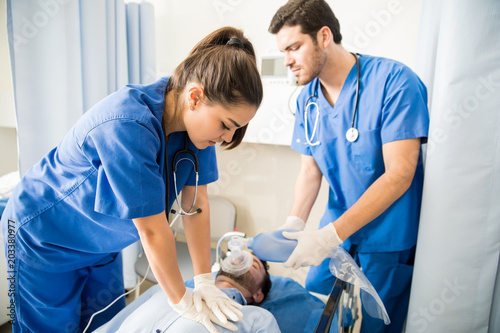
310	15
266	284
246	280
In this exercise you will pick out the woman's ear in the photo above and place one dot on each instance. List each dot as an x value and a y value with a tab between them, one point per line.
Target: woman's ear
194	95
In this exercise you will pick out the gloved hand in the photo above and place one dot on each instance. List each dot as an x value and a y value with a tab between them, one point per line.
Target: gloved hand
293	222
222	306
205	317
313	246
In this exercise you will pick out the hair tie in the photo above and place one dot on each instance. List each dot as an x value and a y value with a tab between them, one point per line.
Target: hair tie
236	42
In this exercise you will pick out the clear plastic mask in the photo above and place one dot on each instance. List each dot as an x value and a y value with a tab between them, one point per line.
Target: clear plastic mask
239	261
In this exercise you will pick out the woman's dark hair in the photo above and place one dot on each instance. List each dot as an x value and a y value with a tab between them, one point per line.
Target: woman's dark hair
227	72
310	15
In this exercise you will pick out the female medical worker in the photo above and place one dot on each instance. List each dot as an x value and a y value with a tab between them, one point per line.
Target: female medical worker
104	187
360	123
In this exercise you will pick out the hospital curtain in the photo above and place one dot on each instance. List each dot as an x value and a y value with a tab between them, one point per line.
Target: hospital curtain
68	54
456	283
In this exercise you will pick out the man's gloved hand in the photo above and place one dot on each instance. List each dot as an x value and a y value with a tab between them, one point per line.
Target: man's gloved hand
222	306
293	222
205	317
312	246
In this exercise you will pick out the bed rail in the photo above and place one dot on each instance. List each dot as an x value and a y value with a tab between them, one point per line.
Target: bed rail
325	321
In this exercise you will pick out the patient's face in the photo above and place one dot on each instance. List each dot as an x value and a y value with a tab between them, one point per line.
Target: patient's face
251	281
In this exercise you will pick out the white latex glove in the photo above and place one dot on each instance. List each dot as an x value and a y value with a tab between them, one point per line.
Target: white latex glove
312	246
205	317
222	306
293	222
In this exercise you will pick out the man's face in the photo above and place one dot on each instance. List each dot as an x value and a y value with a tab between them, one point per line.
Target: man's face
251	281
303	56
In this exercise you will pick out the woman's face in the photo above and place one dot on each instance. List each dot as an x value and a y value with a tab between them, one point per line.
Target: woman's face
208	124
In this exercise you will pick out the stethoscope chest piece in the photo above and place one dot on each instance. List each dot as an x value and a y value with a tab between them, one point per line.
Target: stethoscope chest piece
352	134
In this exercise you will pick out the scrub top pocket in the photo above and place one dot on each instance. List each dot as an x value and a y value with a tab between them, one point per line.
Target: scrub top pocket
366	152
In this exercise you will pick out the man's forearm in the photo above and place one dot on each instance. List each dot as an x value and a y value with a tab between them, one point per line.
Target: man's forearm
400	158
306	191
377	198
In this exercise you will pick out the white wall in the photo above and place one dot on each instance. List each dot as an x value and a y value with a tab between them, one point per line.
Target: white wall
378	27
8	135
259	178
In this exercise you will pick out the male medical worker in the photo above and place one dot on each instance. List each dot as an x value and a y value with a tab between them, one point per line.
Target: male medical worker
152	312
360	123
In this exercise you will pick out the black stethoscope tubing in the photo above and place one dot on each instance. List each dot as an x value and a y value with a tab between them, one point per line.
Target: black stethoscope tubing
176	161
185	151
357	91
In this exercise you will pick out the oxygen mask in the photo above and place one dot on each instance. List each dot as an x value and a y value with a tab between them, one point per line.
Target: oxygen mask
238	261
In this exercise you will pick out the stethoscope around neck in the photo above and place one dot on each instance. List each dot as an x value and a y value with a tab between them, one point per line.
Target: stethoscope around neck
352	133
178	158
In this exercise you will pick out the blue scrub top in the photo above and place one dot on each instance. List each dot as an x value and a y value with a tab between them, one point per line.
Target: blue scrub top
76	205
392	106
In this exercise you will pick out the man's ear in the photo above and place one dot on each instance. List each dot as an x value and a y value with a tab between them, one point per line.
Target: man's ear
324	37
258	297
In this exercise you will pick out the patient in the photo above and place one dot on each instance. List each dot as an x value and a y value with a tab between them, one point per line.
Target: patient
152	313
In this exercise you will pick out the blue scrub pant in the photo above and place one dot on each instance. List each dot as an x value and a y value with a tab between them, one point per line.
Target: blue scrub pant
65	301
390	274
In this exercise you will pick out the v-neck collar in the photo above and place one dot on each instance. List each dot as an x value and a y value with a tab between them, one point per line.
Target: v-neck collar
349	82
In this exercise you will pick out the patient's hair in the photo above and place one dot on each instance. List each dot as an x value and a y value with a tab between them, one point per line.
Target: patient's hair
266	284
310	15
246	280
224	64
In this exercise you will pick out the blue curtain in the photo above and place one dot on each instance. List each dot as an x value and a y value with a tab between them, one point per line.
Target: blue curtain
66	55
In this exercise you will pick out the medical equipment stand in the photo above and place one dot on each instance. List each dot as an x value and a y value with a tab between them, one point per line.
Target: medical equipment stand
325	321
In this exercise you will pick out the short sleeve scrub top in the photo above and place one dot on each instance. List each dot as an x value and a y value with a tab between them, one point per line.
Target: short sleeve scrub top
76	205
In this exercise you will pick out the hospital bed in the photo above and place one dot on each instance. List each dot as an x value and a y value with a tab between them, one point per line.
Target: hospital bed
342	299
293	307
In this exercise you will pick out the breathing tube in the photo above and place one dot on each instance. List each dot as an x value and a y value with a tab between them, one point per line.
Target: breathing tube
238	261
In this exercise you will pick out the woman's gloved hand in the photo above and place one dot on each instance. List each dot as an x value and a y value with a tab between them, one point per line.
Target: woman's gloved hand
222	306
205	317
293	222
312	246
